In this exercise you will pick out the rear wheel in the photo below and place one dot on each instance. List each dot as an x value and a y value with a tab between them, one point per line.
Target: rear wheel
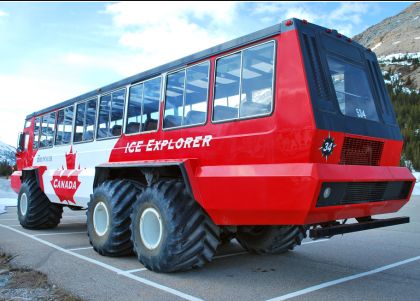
270	239
108	217
170	231
35	211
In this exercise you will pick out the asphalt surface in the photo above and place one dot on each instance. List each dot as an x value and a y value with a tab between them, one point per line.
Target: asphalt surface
380	264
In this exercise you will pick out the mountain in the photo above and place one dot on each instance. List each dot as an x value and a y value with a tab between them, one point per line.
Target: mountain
7	153
396	42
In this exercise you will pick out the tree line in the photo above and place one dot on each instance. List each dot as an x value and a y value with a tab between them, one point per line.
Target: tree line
407	110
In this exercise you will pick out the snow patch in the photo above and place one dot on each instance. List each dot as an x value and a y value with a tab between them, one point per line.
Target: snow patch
7	202
415	18
416	190
395	43
417	38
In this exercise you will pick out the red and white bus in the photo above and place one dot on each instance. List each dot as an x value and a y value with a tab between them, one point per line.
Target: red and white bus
266	138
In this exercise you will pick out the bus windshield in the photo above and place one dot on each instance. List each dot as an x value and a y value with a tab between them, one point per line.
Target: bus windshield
352	89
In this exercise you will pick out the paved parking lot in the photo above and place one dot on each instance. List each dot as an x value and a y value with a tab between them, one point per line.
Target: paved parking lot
381	264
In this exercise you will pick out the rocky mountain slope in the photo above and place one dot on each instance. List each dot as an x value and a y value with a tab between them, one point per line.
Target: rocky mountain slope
396	42
7	153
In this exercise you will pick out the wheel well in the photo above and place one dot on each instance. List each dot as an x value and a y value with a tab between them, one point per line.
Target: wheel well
143	174
30	174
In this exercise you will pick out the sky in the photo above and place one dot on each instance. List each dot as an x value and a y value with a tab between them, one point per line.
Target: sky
54	51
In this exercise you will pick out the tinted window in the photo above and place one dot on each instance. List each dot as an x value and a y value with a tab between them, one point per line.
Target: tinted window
186	96
36	132
135	120
228	78
64	126
196	91
47	130
352	89
85	121
151	100
79	122
257	80
244	83
111	110
174	100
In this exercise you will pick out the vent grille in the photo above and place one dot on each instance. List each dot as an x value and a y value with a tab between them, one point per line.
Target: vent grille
361	152
315	61
363	192
345	193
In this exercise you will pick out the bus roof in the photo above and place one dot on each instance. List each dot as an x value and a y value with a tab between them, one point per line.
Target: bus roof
198	56
238	42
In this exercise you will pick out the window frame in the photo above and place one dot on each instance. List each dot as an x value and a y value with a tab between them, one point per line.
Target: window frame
98	104
40	131
183	100
84	119
160	106
273	85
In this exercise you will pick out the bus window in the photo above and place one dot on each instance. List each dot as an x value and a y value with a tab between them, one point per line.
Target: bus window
196	93
226	99
85	121
111	111
174	100
257	80
244	83
186	96
64	126
36	132
135	121
47	130
90	120
79	122
151	100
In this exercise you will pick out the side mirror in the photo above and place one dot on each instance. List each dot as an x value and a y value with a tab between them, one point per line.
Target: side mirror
21	143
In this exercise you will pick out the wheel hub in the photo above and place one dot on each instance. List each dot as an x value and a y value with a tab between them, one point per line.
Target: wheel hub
23	204
151	228
101	219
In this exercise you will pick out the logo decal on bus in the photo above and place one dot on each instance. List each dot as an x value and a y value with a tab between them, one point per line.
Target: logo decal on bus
65	182
327	147
171	144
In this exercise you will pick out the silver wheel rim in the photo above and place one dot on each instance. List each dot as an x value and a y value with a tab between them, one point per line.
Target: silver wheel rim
23	204
151	228
100	219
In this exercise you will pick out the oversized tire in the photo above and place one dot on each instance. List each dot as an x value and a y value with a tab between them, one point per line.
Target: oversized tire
35	211
108	217
270	239
170	231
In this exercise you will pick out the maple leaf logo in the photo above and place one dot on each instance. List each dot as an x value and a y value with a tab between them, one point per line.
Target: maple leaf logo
65	182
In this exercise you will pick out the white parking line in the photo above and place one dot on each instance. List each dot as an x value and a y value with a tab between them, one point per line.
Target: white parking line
314	241
78	249
344	279
19	225
132	271
108	267
59	233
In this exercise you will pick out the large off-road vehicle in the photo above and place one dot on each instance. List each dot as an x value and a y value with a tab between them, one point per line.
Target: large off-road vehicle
267	138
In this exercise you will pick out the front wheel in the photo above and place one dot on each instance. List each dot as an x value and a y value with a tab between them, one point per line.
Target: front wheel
270	239
35	211
170	231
